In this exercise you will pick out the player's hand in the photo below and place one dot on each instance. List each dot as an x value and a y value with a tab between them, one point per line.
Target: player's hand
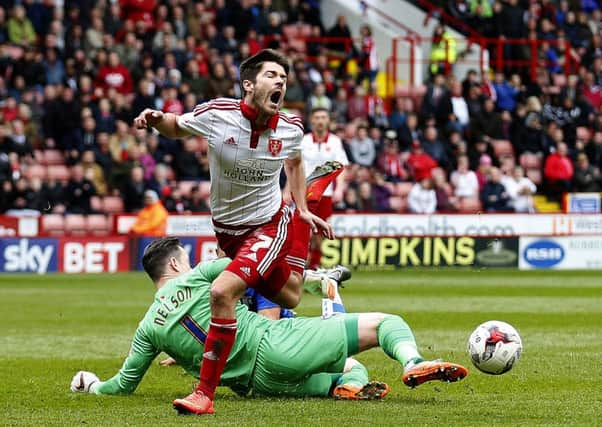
168	362
147	118
317	224
83	381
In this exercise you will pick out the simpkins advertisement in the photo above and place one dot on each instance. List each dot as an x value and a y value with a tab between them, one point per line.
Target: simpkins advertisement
396	252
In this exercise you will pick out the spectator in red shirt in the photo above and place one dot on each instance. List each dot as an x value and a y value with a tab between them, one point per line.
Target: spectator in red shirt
139	11
591	91
389	161
558	171
420	163
114	75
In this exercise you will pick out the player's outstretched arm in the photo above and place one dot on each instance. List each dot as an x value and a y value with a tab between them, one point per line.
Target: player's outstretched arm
165	123
142	353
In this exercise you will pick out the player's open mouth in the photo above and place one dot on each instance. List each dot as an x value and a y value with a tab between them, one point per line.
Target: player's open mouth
275	97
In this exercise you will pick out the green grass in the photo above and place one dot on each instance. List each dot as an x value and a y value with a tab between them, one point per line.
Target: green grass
54	325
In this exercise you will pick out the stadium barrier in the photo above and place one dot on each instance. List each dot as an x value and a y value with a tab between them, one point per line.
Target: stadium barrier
121	253
382	241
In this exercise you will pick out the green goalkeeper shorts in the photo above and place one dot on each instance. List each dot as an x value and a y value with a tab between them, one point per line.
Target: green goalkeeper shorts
304	356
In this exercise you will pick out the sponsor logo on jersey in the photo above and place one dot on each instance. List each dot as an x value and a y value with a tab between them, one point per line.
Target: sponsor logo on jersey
246	270
275	146
543	253
230	141
248	170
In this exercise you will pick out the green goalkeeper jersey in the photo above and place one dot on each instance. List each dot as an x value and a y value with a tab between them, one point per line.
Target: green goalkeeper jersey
177	323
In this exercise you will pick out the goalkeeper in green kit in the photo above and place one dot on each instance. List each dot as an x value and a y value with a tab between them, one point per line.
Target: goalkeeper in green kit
287	357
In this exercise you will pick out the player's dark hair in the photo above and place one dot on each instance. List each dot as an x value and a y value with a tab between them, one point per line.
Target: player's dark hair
319	110
157	254
249	68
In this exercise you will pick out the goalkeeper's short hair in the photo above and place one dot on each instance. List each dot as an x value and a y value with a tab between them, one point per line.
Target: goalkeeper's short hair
157	254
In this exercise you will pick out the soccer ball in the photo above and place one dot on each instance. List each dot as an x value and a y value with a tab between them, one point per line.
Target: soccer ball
494	347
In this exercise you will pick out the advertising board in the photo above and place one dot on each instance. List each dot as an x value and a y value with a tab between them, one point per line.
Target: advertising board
398	252
562	253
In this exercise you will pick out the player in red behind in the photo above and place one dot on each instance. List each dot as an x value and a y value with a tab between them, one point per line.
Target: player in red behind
250	141
321	146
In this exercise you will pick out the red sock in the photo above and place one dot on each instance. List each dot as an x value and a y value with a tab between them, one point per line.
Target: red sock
315	258
300	246
218	344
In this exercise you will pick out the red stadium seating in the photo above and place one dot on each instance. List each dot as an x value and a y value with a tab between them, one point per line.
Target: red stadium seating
469	205
96	203
186	186
402	189
584	134
98	225
205	188
35	171
53	224
530	161
52	157
503	148
59	173
398	204
535	176
75	224
112	204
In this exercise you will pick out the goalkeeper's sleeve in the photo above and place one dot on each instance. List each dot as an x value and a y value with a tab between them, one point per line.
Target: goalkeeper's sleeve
142	353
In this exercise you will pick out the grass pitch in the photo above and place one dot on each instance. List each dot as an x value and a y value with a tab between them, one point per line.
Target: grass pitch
55	325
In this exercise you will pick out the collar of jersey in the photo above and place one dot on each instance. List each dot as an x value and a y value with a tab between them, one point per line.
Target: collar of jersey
251	114
320	141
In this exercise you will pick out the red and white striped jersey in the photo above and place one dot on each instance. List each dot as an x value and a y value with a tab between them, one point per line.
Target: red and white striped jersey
317	152
244	162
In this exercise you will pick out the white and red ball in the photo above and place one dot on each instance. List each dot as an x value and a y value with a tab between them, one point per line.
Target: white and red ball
494	347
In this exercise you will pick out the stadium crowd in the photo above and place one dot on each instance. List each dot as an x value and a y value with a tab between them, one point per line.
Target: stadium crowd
73	76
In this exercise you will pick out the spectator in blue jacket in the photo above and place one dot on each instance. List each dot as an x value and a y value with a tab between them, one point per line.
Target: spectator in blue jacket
505	93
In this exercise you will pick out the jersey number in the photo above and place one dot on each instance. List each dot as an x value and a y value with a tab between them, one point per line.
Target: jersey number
193	328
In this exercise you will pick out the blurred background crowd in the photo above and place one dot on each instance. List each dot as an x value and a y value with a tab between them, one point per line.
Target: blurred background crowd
74	74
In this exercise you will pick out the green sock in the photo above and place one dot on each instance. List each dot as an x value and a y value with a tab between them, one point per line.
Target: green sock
357	376
397	340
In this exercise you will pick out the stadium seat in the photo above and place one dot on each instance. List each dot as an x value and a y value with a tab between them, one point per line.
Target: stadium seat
96	203
205	188
38	156
398	204
35	171
503	148
112	204
52	157
583	134
534	175
530	161
291	31
305	30
75	224
59	173
402	189
390	186
559	80
98	224
298	45
171	174
186	186
53	224
469	205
